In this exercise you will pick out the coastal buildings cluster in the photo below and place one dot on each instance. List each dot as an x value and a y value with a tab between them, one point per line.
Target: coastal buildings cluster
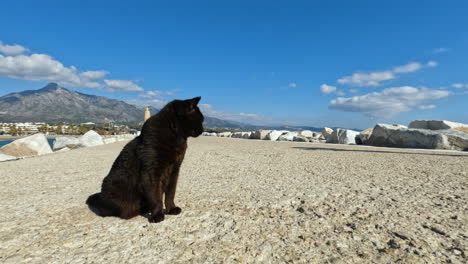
29	128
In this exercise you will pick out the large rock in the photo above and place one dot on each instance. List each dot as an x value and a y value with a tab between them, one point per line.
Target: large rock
246	135
306	133
400	136
288	136
90	139
275	134
343	136
225	134
236	135
29	146
435	124
4	157
209	134
124	137
326	132
110	140
259	134
300	138
62	142
365	135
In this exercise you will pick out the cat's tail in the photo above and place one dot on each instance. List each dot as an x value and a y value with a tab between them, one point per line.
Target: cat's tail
101	206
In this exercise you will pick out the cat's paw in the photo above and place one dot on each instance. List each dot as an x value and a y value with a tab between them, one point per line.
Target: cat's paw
173	211
156	218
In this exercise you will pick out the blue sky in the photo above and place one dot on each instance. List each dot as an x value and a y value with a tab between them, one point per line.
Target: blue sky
318	63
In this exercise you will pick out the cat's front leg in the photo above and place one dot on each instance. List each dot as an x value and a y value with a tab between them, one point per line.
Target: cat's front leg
154	192
171	208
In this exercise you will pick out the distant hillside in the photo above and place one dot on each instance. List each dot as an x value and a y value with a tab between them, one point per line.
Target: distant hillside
57	104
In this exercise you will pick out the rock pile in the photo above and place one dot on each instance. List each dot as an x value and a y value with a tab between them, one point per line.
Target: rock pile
37	144
428	134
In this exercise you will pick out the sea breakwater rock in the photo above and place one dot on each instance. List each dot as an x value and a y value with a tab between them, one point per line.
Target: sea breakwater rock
29	146
435	124
343	136
288	136
275	134
306	133
225	134
110	140
246	135
90	139
62	142
259	134
236	135
300	138
209	134
400	136
364	136
326	132
124	137
4	157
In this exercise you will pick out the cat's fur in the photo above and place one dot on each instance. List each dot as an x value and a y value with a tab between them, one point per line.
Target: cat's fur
148	166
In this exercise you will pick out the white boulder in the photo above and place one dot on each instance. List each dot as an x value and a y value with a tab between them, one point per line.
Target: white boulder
110	140
4	157
403	137
260	134
62	142
365	135
288	136
29	146
300	138
326	132
343	136
225	134
306	133
275	134
236	135
246	135
435	124
90	139
209	134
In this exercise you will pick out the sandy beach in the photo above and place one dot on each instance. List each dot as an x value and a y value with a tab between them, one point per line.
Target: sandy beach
246	201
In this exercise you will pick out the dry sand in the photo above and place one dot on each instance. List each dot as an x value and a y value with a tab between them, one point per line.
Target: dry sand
246	201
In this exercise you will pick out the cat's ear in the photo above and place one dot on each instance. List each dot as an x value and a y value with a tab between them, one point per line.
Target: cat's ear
194	102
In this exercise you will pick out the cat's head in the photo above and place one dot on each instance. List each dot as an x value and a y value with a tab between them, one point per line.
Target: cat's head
190	116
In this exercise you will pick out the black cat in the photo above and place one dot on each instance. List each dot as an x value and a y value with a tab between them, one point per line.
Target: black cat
148	166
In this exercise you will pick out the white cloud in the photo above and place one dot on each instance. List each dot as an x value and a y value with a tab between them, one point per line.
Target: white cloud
12	49
432	64
389	102
151	94
42	67
328	89
143	103
376	78
460	85
410	67
426	107
248	118
93	75
440	50
367	79
157	93
292	85
121	86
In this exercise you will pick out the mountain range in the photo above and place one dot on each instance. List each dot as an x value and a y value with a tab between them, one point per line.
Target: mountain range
55	104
